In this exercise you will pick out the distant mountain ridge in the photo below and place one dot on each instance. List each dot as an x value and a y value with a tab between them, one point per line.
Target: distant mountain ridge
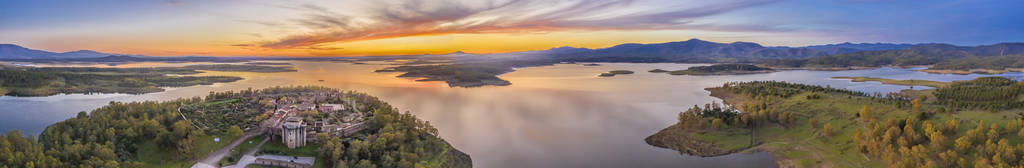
11	51
920	54
700	51
690	51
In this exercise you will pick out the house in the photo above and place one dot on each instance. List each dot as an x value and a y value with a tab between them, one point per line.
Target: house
285	161
331	107
306	107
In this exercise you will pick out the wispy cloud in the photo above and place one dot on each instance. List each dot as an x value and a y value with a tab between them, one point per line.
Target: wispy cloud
382	20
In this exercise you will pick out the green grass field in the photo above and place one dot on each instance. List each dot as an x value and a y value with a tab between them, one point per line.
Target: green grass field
152	155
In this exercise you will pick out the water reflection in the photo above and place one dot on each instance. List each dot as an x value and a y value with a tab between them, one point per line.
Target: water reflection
552	116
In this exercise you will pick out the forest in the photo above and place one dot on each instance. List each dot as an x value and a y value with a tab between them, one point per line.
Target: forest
153	134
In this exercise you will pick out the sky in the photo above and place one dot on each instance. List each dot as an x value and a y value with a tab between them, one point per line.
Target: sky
405	27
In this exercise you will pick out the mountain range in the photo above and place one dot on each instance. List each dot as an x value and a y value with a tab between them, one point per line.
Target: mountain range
690	51
11	51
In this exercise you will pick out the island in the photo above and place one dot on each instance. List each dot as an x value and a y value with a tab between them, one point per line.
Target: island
960	124
658	71
456	75
268	63
615	72
723	69
29	81
304	126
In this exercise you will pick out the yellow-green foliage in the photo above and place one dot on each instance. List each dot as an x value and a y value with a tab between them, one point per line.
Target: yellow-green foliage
893	131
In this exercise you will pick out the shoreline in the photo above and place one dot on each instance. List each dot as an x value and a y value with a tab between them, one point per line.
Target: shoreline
971	71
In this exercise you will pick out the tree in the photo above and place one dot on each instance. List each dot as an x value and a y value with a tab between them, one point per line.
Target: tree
365	164
828	129
915	105
235	131
962	144
865	113
717	123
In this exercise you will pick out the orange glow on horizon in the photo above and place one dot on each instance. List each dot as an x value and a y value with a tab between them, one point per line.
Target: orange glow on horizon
409	45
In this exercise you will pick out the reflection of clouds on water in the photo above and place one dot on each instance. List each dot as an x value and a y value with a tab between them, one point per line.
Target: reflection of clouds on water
551	116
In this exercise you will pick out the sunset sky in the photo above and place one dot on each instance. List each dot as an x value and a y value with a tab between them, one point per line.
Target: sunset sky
349	27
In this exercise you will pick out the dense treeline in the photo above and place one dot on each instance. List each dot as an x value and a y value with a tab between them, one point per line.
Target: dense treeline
786	89
994	62
107	137
985	92
717	116
915	143
396	140
16	150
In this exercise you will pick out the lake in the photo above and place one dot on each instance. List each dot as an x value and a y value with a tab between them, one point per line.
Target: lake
551	116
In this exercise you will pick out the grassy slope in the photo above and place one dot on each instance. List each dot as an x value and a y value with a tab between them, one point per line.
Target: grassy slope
803	145
152	155
911	82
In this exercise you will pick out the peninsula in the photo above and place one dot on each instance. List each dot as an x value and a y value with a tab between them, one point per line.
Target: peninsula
285	126
960	124
910	82
28	81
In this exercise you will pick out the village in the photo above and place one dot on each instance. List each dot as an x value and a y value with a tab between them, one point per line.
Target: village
295	120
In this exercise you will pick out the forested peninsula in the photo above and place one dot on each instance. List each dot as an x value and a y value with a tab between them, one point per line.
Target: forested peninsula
985	65
960	124
19	81
157	134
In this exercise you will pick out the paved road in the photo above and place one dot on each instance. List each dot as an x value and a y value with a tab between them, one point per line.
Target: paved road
212	159
249	157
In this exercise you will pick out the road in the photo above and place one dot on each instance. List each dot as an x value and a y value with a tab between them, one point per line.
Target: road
249	157
212	159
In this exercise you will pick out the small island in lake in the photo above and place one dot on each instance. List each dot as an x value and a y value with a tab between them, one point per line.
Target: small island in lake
723	69
953	125
615	72
658	71
456	75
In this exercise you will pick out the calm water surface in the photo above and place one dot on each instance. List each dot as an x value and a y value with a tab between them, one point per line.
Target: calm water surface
551	116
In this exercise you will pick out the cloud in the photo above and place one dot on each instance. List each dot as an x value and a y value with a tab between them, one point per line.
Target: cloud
382	20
